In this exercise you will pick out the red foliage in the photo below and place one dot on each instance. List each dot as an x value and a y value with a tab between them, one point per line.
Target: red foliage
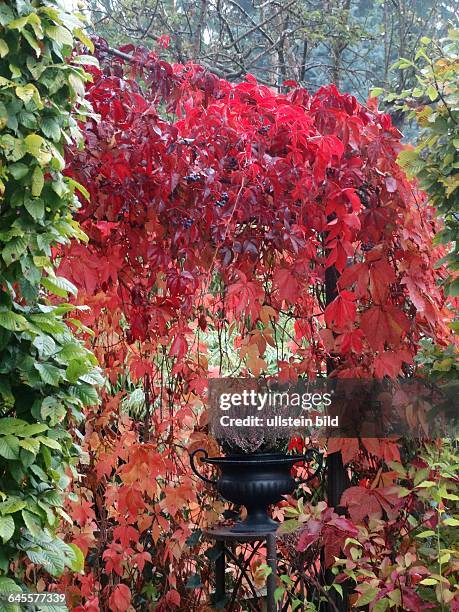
226	211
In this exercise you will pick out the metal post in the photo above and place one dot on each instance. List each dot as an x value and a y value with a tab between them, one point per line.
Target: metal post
220	571
271	580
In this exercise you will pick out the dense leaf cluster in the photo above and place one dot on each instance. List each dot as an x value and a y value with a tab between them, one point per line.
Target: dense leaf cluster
434	104
47	375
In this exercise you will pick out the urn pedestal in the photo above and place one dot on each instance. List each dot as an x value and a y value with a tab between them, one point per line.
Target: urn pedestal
255	481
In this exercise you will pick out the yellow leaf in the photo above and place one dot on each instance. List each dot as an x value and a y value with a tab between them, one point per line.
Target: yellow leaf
38	181
4	49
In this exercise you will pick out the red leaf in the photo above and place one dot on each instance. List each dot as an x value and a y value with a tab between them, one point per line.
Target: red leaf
173	598
245	297
179	347
389	363
287	285
125	534
381	276
342	311
382	324
350	341
361	502
120	599
310	535
349	448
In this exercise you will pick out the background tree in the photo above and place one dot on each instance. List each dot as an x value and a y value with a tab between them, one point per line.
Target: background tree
351	43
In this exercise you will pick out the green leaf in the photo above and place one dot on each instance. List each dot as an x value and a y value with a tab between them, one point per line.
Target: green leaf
278	594
9	447
12	505
18	24
60	34
376	91
338	588
48	323
71	350
367	597
7	585
59	286
32	522
32	430
87	394
426	534
49	374
77	565
6	528
52	408
79	33
4	49
381	605
51	129
27	92
10	425
77	368
30	38
36	146
35	208
45	345
52	561
13	250
49	442
427	484
86	60
38	182
30	444
451	522
428	581
3	116
18	170
76	185
432	92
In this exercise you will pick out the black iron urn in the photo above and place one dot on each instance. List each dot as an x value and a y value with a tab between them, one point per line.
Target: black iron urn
255	481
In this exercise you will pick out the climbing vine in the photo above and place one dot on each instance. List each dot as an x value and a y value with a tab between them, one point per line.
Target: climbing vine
47	375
